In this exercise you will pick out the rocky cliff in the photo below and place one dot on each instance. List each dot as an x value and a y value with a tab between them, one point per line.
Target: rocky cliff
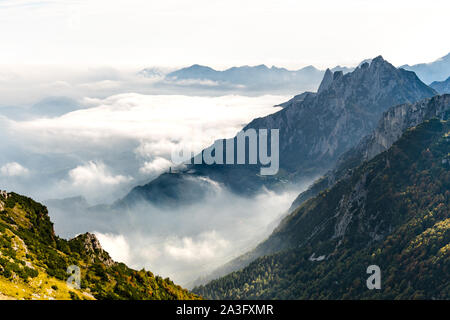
390	127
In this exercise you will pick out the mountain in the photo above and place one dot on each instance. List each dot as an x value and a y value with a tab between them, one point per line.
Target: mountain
169	190
441	86
392	212
314	131
390	127
434	71
34	261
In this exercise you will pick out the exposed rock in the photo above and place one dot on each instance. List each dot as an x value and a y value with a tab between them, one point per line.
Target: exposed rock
326	81
94	249
390	127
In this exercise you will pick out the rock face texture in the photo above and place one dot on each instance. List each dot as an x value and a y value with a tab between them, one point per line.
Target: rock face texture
441	86
315	131
316	128
3	197
390	127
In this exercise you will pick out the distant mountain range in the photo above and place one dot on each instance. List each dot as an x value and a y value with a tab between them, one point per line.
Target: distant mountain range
253	78
250	79
438	70
262	78
314	132
391	212
441	86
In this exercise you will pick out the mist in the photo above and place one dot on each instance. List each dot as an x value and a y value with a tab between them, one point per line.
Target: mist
184	243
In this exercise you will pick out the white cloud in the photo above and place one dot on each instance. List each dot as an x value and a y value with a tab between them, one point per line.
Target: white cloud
115	245
13	169
156	166
194	82
202	248
95	173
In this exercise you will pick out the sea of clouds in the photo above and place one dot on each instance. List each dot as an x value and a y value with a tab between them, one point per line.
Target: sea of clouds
116	135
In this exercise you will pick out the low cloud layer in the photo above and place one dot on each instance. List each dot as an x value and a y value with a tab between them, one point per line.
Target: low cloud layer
102	150
183	243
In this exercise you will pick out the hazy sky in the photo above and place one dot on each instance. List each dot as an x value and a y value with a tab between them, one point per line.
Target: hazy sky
288	33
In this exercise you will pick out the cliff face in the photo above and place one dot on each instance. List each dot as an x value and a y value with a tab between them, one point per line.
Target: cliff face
390	127
397	119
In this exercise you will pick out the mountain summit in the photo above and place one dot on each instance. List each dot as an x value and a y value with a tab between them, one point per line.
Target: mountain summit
314	130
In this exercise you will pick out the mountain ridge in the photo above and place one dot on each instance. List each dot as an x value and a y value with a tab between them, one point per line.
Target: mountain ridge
392	212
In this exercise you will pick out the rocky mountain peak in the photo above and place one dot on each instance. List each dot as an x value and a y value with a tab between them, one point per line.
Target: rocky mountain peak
326	81
4	194
93	248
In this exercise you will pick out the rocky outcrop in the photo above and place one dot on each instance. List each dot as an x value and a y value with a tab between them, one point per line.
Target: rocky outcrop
326	81
93	249
3	196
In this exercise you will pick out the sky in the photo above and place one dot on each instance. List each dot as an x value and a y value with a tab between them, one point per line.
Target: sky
221	34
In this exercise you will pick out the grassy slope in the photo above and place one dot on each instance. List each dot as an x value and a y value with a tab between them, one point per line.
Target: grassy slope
33	262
